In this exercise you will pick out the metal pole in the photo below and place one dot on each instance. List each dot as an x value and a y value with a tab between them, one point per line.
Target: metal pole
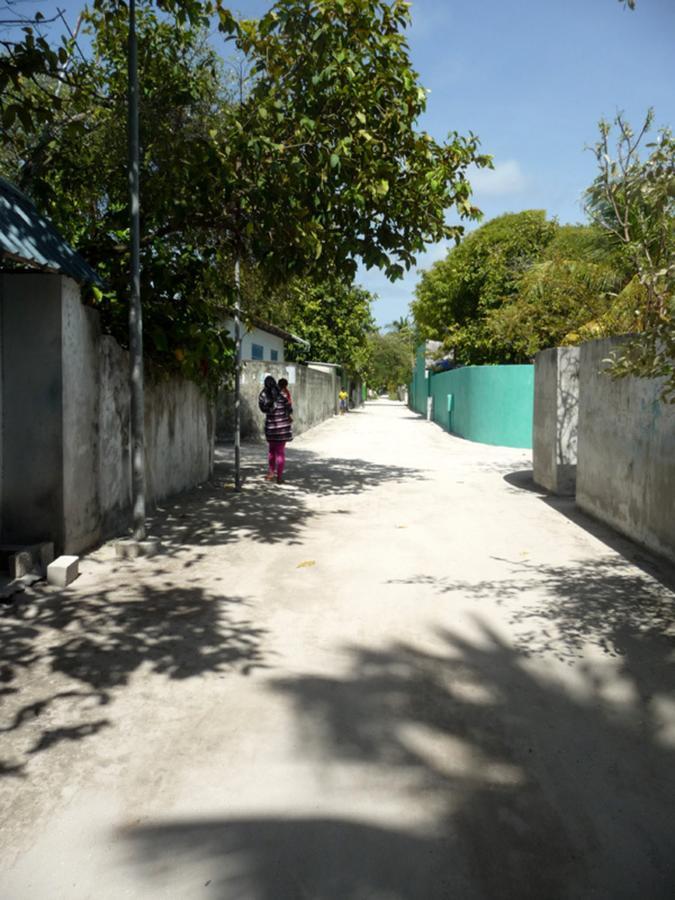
135	315
237	376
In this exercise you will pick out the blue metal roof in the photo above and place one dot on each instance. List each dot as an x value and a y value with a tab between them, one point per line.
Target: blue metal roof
30	238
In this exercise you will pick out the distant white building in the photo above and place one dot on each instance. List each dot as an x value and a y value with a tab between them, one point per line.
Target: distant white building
262	341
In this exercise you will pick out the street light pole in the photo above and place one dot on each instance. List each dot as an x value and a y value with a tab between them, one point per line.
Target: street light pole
135	313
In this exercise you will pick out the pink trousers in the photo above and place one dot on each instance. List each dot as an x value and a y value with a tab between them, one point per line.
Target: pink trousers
277	456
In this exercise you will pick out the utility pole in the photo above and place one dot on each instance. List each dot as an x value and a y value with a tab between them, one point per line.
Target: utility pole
237	374
135	312
237	321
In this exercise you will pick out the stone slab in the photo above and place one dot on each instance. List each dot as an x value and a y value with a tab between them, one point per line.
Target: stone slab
63	570
19	560
132	549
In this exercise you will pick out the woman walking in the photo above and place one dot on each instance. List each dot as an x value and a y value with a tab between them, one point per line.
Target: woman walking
278	431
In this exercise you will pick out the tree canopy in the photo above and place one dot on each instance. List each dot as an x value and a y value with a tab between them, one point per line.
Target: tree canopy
75	168
457	295
313	162
391	359
574	291
632	200
521	283
333	315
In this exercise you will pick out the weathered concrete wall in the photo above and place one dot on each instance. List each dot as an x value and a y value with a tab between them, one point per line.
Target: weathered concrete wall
66	473
81	335
179	437
32	455
626	454
114	453
556	415
314	396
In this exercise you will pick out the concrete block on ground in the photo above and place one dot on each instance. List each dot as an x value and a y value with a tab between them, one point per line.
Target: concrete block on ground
20	564
27	560
556	418
129	548
63	570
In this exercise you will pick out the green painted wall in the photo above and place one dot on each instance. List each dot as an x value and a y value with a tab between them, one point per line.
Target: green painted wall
490	404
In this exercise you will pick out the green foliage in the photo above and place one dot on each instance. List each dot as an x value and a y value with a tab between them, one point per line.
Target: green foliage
572	293
326	161
391	359
458	295
333	316
318	162
75	170
633	200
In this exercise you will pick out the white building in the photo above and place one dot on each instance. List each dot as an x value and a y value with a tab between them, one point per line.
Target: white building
262	341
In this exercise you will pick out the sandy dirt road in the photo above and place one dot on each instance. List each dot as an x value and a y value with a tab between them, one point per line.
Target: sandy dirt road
405	674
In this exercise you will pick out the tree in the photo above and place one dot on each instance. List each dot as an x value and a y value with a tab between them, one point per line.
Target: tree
329	167
455	298
318	162
75	170
333	316
391	359
401	325
633	200
575	291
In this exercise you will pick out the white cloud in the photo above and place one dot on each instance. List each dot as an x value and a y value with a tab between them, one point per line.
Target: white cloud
433	254
505	178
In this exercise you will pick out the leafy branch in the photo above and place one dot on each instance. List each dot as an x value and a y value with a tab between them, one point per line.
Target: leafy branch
633	200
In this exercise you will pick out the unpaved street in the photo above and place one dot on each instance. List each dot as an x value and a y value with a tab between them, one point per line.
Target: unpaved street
403	675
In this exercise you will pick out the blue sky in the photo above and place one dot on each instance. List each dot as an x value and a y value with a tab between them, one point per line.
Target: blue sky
531	78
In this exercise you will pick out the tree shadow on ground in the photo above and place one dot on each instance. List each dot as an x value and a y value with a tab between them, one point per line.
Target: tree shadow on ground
658	567
99	640
89	646
535	789
558	610
266	512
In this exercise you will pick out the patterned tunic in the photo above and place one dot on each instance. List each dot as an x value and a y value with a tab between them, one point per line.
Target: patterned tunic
277	421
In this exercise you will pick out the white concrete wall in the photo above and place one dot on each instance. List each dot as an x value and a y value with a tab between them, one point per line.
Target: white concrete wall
314	396
264	339
626	454
179	434
556	414
80	338
114	454
65	435
179	437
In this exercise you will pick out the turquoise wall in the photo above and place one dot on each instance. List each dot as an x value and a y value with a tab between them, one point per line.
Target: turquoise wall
490	404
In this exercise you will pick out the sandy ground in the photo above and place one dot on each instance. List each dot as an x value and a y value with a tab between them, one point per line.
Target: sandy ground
405	673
